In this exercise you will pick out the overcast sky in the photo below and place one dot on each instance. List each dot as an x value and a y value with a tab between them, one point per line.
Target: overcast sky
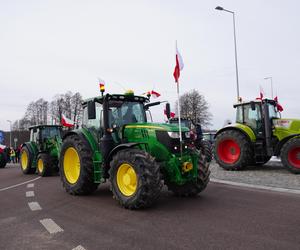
50	47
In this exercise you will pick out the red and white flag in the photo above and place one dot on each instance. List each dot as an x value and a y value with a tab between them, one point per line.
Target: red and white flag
261	93
172	114
66	122
279	107
179	65
154	94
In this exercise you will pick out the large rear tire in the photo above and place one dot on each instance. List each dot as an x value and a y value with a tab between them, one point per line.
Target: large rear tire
26	161
233	150
290	155
76	166
135	178
193	187
44	164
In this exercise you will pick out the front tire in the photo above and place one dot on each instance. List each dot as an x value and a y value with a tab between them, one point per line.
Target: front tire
233	150
76	166
193	187
44	164
290	155
135	178
26	161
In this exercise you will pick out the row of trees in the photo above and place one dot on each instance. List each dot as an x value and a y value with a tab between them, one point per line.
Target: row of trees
192	105
44	112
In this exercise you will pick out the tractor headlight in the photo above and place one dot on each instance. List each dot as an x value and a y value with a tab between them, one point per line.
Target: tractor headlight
187	134
174	135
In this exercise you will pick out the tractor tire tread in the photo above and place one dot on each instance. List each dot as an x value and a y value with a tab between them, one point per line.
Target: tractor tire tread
149	178
85	184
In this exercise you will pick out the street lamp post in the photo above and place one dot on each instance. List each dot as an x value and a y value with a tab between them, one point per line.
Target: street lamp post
9	132
270	77
235	51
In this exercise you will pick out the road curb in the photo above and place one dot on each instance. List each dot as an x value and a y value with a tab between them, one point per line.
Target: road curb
261	187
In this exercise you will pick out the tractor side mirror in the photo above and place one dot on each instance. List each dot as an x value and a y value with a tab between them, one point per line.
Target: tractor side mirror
168	110
91	110
252	104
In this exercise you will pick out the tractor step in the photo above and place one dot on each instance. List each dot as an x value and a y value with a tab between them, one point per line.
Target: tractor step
259	152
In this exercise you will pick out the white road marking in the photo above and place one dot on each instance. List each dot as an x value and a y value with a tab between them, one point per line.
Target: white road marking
239	184
30	185
79	248
51	226
30	194
20	184
34	206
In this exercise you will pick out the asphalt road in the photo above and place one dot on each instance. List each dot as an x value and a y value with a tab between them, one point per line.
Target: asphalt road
222	217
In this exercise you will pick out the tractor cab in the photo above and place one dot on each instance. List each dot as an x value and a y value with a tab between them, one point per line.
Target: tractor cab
257	115
40	134
114	110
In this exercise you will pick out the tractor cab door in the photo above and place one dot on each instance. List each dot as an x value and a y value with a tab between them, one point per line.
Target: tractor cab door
94	124
250	115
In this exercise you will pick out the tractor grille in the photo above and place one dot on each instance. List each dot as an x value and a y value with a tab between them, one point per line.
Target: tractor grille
173	144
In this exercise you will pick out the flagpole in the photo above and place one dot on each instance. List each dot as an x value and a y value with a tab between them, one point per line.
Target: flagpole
179	118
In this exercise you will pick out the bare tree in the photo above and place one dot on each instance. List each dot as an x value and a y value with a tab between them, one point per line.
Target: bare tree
56	108
194	106
76	108
37	112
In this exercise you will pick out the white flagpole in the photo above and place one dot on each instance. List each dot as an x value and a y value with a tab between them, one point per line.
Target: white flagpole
179	118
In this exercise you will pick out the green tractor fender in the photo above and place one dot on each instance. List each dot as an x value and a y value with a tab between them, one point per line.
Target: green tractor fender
245	130
282	142
121	147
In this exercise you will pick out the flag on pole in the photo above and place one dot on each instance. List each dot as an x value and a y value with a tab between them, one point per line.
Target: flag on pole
172	114
279	107
66	122
101	85
261	93
179	65
152	93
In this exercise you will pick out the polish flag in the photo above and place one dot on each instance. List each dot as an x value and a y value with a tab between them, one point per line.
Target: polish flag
261	93
279	107
154	94
179	65
66	122
172	114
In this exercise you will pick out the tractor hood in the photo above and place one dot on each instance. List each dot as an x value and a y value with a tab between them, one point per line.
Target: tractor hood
156	126
158	136
286	127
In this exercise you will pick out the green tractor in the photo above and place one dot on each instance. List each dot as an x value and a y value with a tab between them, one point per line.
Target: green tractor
258	134
197	139
41	153
117	143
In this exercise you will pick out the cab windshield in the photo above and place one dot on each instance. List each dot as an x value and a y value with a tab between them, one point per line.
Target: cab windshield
121	113
50	132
